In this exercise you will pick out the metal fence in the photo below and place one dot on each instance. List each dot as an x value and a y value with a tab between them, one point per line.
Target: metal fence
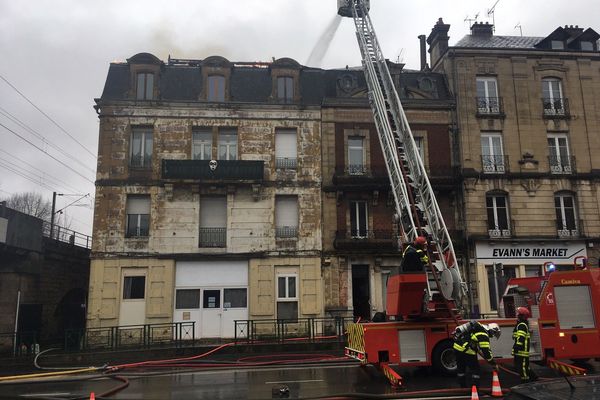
66	235
116	337
18	344
285	330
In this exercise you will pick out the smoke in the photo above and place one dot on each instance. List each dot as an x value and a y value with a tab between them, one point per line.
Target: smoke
318	52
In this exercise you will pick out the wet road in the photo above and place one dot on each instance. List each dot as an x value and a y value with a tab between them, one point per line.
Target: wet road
306	382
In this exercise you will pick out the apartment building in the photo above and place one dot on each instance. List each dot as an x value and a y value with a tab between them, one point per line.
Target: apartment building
528	127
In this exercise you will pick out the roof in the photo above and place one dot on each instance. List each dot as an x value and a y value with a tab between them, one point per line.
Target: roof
499	42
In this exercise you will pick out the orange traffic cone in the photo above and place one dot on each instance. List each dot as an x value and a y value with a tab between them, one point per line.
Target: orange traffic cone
496	390
92	396
474	395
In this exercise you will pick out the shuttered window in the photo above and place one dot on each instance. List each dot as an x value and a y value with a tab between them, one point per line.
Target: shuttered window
138	216
213	222
286	148
286	216
574	307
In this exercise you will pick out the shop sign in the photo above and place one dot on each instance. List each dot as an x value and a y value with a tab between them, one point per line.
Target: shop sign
529	252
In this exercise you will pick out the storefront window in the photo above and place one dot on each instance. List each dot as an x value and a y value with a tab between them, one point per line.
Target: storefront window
498	276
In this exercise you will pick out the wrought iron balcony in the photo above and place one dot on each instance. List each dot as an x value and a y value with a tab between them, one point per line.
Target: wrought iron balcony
286	232
357	169
286	163
365	239
487	106
570	229
555	108
499	233
561	164
494	164
214	170
213	237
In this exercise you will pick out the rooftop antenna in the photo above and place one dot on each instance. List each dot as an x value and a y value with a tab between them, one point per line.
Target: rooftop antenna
518	25
491	12
400	57
471	20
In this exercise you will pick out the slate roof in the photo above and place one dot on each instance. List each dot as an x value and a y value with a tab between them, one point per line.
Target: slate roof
499	42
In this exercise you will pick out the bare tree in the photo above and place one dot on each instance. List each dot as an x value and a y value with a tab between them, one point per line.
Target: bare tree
31	203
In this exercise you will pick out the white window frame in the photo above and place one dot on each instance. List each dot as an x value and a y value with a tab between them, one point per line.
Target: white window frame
359	232
283	229
420	143
286	298
495	164
563	162
145	159
498	231
212	234
231	147
356	169
286	155
489	102
550	85
201	146
562	229
129	205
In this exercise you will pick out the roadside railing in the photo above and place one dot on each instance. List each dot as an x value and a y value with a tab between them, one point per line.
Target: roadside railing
18	344
116	337
66	235
282	330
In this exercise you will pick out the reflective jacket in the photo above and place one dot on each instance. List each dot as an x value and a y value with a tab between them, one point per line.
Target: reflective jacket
414	259
521	337
477	338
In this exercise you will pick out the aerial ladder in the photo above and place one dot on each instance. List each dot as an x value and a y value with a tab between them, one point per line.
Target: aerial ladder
417	210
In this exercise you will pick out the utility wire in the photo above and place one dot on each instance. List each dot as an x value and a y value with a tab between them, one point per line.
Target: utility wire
23	175
45	152
23	125
47	116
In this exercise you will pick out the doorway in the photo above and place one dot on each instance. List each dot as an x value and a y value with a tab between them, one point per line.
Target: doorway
361	294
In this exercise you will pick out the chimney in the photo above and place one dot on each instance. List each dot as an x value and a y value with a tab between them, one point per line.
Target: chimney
423	53
573	31
438	41
482	29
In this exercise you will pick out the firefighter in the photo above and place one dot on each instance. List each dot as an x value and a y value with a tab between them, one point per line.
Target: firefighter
414	257
468	339
520	350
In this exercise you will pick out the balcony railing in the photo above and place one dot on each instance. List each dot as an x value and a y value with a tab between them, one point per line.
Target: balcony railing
357	169
489	105
569	230
561	165
494	164
499	233
360	239
286	163
213	170
286	232
213	237
555	107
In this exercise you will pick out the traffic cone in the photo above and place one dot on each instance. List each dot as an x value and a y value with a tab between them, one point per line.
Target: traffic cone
474	395
92	396
496	390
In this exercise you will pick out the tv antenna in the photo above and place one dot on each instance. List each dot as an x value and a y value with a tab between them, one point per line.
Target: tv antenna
518	25
491	12
471	20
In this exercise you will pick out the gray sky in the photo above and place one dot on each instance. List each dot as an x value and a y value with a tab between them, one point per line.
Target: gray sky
57	53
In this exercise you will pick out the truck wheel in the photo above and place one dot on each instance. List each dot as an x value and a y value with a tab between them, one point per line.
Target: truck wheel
443	358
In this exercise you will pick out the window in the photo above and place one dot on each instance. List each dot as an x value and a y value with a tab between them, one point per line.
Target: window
213	222
235	298
557	44
497	215
216	88
287	297
285	89
492	155
145	86
356	155
228	144
141	148
187	299
358	219
498	276
559	159
202	144
286	151
566	217
134	287
211	298
420	143
586	46
286	216
552	97
138	216
487	96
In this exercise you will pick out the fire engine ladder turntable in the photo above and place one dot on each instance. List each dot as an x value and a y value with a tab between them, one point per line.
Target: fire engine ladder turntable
417	209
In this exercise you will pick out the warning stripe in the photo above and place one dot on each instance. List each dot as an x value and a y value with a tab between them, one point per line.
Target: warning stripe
565	368
394	378
356	337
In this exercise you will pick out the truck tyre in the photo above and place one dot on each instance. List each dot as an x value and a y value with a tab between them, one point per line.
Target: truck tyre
443	358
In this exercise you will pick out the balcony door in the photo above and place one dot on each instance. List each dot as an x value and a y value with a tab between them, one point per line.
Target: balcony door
356	156
213	222
359	221
487	95
559	158
552	97
492	153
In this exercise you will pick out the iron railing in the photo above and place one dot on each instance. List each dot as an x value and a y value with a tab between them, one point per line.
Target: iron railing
213	237
489	105
364	234
285	232
66	235
561	164
18	343
492	164
283	330
499	233
116	337
569	230
357	169
286	163
555	107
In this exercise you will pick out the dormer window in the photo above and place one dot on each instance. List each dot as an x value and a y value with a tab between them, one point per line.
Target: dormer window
587	46
216	88
557	44
145	86
285	89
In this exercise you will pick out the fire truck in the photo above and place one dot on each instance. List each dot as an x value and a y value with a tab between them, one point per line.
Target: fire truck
423	309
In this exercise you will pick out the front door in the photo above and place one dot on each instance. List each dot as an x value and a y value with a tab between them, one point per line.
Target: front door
361	294
211	313
133	300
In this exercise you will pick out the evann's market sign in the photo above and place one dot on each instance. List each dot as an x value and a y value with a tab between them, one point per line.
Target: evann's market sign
529	252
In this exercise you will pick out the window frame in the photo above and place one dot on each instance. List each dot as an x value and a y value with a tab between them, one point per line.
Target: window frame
283	231
562	224
146	91
550	101
130	287
286	298
203	144
145	159
282	159
285	86
496	163
177	290
215	88
139	233
488	103
228	145
356	169
358	232
495	230
559	163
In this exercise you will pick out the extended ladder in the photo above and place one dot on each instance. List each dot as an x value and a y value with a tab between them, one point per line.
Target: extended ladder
416	206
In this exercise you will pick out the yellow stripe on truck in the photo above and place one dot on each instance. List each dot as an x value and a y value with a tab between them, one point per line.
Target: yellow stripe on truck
356	337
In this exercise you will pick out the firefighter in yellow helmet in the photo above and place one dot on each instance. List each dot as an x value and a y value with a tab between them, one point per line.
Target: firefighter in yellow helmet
414	257
468	339
520	350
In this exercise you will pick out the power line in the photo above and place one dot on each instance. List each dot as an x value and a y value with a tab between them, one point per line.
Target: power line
45	152
47	116
23	125
23	175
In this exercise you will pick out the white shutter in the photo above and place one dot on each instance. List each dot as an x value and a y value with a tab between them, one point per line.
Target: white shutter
285	143
138	204
286	211
574	306
213	212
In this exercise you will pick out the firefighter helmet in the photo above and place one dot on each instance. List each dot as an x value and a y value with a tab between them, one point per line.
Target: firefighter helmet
420	241
523	311
494	330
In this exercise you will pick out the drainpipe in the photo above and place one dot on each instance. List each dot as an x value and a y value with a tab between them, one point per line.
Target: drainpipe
16	322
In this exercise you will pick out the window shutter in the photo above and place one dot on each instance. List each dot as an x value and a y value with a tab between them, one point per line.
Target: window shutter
286	211
138	205
286	144
213	212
